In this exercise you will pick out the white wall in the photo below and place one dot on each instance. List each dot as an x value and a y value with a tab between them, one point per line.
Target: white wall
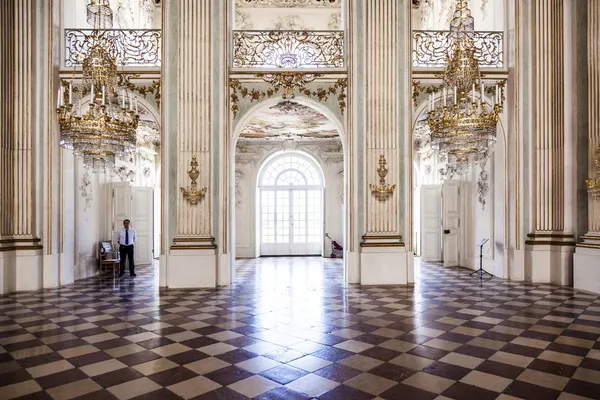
488	15
247	169
288	19
127	14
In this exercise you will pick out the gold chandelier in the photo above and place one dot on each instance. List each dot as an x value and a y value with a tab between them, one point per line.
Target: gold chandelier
464	125
107	129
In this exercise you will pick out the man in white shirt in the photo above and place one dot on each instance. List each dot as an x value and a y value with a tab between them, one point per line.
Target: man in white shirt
126	238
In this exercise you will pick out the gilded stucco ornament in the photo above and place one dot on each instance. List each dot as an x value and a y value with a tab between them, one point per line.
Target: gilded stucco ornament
593	183
288	83
192	194
383	191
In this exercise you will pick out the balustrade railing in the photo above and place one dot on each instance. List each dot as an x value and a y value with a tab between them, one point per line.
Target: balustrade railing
132	47
430	48
288	49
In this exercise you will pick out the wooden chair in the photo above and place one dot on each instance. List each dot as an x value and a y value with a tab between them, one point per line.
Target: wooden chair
108	257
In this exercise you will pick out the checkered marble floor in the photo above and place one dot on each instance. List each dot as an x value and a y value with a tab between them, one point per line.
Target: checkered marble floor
290	329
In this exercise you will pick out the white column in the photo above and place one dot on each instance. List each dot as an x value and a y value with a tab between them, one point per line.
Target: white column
383	254
549	246
20	246
191	260
586	269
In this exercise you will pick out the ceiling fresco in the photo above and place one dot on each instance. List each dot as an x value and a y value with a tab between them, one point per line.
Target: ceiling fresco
289	120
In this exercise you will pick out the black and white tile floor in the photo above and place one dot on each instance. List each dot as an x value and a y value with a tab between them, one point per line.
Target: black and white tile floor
290	329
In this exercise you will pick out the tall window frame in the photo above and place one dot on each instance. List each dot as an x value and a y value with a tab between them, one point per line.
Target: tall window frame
290	205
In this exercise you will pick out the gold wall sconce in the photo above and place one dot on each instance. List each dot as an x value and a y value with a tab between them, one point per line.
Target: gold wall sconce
383	191
593	183
193	195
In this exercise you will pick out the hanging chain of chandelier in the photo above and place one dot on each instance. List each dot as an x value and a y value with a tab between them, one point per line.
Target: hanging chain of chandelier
464	125
103	128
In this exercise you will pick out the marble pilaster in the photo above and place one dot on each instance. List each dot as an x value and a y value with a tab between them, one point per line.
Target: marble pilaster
191	260
386	70
549	244
586	268
20	246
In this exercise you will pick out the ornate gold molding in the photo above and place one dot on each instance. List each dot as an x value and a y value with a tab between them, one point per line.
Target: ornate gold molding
551	239
192	194
288	83
193	243
588	246
13	244
143	90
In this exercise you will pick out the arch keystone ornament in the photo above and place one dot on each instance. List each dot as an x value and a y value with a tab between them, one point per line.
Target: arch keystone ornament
383	191
192	194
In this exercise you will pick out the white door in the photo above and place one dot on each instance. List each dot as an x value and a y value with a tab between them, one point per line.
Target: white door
142	215
451	222
431	222
291	222
291	206
121	206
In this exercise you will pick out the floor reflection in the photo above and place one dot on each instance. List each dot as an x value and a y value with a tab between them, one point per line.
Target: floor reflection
290	328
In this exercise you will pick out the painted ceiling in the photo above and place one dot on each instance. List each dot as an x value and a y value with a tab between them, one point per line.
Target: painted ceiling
300	123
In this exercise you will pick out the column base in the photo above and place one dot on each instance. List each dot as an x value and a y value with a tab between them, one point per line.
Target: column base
192	269
192	263
383	266
586	267
353	267
225	265
549	264
20	270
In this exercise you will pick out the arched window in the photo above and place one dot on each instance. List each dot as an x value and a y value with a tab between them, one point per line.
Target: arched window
291	196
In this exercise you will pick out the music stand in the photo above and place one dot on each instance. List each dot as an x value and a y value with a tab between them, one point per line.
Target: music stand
481	272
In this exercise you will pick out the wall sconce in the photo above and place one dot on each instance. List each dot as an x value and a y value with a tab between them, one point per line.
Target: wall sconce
193	195
593	183
383	191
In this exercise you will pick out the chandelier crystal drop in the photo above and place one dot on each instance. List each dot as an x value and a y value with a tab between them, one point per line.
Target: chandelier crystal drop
464	125
101	127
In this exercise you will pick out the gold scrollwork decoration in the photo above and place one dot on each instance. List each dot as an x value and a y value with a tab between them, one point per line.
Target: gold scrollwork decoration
192	194
288	83
238	90
124	80
419	89
383	191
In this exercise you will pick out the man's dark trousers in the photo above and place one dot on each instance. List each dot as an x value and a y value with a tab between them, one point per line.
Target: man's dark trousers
127	251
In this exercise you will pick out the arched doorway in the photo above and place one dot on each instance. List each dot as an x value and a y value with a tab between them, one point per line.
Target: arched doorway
290	206
287	146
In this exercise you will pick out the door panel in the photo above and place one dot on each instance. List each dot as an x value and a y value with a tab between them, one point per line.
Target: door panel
291	222
141	220
451	222
431	222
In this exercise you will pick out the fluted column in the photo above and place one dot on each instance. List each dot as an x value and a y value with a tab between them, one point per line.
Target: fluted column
17	222
385	76
195	95
382	112
549	122
550	242
186	113
586	269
